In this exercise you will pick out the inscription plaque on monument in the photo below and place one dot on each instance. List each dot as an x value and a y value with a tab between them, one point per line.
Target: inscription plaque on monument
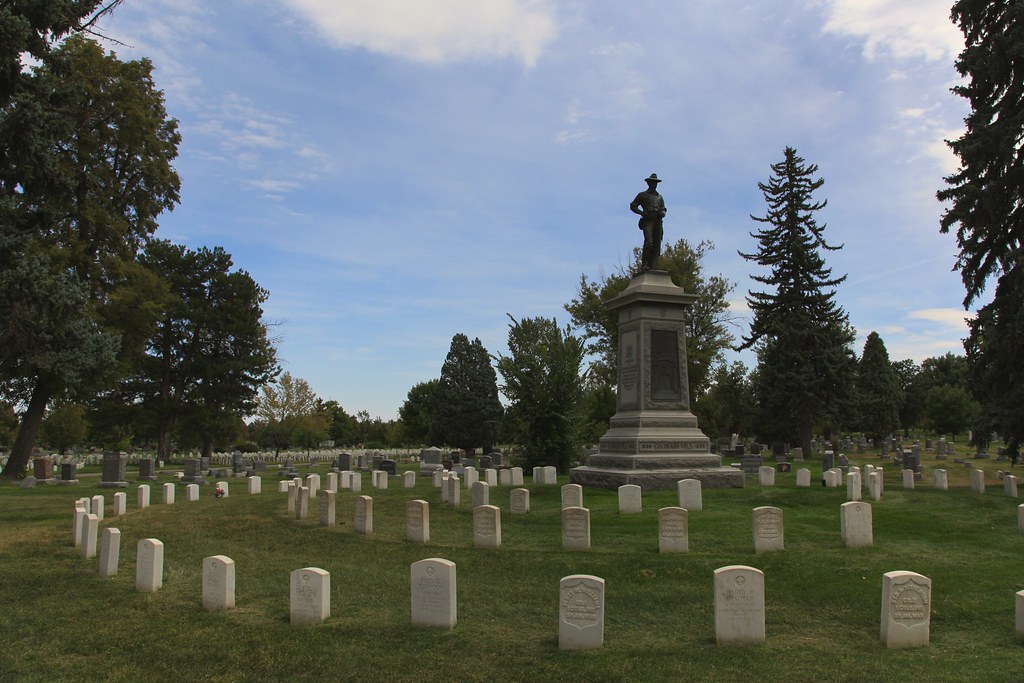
665	366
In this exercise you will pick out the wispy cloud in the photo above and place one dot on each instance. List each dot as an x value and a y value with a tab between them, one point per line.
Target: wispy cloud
437	31
951	317
902	28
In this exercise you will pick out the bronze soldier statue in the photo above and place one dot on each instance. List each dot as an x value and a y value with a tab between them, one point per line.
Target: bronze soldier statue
650	206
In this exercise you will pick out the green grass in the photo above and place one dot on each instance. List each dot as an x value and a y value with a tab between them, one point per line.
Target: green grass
60	621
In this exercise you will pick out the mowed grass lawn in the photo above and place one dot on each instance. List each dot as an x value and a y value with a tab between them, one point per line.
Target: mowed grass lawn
60	621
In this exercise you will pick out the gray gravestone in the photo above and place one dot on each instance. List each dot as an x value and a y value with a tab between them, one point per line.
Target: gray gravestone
113	471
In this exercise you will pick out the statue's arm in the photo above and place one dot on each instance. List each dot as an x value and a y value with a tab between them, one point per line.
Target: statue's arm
634	206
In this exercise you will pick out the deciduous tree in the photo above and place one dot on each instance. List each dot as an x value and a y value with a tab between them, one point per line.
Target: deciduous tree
86	147
707	333
543	383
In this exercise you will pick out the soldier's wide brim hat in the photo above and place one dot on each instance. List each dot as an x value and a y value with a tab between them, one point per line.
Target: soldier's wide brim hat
653	178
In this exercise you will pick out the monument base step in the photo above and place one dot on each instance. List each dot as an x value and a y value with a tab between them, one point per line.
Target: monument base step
656	480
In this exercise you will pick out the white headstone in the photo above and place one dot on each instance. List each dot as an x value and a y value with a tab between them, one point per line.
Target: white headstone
481	493
433	592
191	493
90	534
380	479
78	525
739	605
282	486
454	490
346	480
766	475
550	474
769	533
328	505
491	476
875	485
98	503
332	481
630	500
505	477
293	496
519	501
853	486
223	486
362	519
517	476
302	503
1010	485
572	496
437	479
1019	609
313	484
143	496
310	596
218	583
906	609
941	480
673	530
690	496
355	482
855	524
908	479
168	494
803	477
255	485
120	503
978	481
575	528
538	475
417	521
110	551
1020	518
486	526
470	477
409	479
580	612
149	565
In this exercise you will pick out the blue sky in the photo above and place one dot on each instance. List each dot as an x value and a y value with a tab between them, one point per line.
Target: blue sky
398	171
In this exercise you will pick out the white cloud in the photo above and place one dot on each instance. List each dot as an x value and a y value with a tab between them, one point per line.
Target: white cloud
273	186
951	317
437	31
902	28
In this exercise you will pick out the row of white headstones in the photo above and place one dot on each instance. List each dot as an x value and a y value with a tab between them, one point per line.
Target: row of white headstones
739	590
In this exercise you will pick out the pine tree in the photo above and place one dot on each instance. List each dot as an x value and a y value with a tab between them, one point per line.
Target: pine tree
466	410
986	196
802	337
878	393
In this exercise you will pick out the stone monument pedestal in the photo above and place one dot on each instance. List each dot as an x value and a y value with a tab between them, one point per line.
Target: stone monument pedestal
653	440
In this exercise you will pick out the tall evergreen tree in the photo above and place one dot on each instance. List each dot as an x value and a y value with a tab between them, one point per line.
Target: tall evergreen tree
466	410
878	393
209	354
802	337
986	196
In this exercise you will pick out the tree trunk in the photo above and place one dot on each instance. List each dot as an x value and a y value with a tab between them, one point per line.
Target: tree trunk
21	451
163	443
207	446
